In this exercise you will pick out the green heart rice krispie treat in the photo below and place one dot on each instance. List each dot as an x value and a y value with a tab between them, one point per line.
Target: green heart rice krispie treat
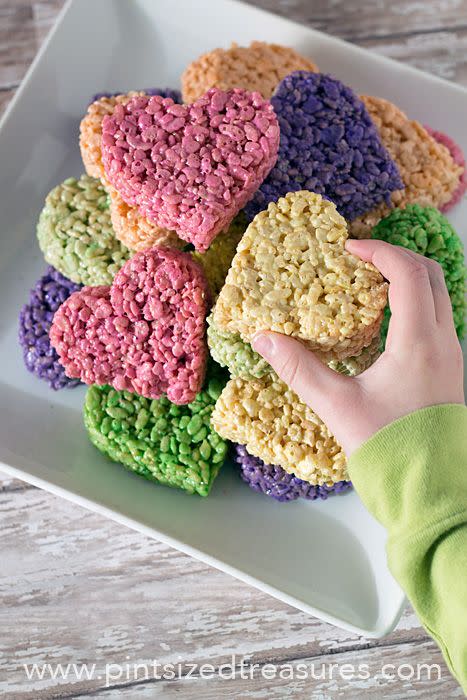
174	445
75	232
426	231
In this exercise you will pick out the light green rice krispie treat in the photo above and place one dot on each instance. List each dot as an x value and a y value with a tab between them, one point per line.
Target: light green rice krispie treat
75	232
229	350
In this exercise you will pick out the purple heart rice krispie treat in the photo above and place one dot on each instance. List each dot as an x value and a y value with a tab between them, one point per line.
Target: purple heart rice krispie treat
35	319
328	145
276	483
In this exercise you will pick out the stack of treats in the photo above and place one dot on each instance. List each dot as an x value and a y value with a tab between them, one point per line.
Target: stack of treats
206	216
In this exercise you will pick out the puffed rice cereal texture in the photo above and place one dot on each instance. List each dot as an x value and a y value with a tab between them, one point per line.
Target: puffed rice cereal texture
458	157
190	168
230	351
426	231
276	426
328	145
292	274
163	442
35	319
217	259
75	232
90	131
257	68
145	333
175	95
135	231
276	483
429	173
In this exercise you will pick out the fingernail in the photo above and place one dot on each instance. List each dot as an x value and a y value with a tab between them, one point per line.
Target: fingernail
264	344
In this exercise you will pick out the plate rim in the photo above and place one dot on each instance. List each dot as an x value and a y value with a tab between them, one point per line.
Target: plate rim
378	630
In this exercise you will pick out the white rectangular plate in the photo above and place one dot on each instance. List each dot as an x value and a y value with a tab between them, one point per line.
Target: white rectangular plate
326	558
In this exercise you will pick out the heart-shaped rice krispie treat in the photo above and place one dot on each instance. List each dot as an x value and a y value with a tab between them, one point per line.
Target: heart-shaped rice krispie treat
328	145
143	334
90	131
132	229
75	232
257	68
276	426
429	173
426	231
35	319
292	274
458	157
173	445
190	168
276	483
230	351
135	231
175	95
217	259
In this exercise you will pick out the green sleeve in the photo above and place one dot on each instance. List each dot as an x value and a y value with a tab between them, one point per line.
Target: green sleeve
412	476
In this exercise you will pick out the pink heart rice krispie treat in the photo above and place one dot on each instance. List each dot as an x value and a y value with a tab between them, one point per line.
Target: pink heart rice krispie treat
458	157
144	334
190	168
428	170
276	426
292	274
258	68
90	131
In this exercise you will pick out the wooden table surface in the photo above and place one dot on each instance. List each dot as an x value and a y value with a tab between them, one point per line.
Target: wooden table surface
78	588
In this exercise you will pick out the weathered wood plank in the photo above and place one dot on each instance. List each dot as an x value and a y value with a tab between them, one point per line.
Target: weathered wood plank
5	97
76	587
371	18
23	27
363	675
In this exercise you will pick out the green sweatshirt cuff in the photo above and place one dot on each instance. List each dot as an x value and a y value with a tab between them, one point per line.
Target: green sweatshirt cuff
413	471
412	476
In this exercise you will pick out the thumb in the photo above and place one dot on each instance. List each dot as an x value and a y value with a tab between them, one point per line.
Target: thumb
315	383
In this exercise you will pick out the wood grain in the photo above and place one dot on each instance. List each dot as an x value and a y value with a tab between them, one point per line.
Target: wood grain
86	590
78	588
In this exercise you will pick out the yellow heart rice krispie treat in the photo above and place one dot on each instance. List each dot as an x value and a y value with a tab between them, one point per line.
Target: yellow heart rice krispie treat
258	68
230	351
430	174
276	426
292	274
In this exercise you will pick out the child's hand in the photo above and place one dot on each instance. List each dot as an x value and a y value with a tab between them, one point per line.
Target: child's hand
421	366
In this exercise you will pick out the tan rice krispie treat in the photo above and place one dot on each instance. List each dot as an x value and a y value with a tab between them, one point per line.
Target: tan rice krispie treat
90	132
428	170
134	230
291	274
276	426
258	67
